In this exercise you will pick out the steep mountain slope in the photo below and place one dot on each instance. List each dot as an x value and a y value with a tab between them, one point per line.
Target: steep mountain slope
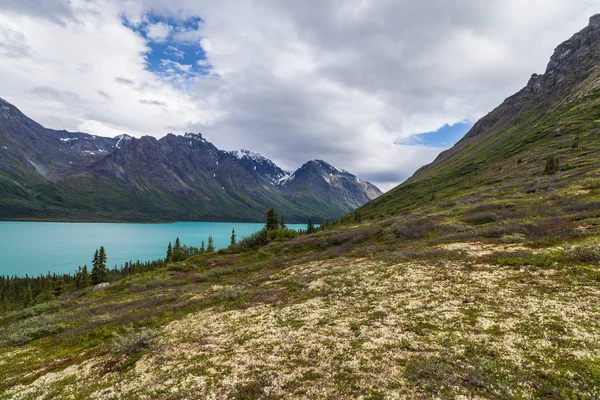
49	174
93	147
25	142
509	146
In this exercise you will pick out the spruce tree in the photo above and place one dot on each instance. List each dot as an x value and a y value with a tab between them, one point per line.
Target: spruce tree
211	247
99	271
272	220
177	251
310	228
169	253
202	248
96	278
102	259
78	277
552	164
86	279
282	223
233	238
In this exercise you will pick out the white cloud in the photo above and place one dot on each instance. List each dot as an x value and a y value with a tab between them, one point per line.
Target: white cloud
338	80
158	32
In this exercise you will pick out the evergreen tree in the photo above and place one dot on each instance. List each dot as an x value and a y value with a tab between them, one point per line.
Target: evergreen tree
99	271
28	296
272	220
211	247
85	279
177	251
95	269
102	257
233	239
202	248
310	228
169	253
282	223
552	164
78	277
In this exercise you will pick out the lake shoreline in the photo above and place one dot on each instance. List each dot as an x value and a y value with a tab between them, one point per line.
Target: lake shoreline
36	247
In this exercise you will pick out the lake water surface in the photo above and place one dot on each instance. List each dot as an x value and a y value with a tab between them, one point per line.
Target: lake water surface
38	247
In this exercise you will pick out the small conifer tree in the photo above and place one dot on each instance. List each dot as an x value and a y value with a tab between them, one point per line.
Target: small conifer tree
210	247
233	239
552	165
169	257
86	279
310	228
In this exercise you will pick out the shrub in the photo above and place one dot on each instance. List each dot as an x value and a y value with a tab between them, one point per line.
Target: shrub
481	218
414	229
584	254
25	331
230	293
212	274
259	238
513	238
132	342
281	234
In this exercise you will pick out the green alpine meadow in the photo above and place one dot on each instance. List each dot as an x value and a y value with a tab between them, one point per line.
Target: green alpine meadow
478	277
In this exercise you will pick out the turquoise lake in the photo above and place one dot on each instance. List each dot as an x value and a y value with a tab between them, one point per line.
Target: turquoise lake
35	248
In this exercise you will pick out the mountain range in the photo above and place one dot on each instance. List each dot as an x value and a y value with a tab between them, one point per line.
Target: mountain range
61	175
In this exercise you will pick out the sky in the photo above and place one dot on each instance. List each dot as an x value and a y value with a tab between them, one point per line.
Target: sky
377	88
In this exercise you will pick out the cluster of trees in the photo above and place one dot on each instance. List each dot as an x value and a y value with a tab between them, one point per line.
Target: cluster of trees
19	292
275	229
178	252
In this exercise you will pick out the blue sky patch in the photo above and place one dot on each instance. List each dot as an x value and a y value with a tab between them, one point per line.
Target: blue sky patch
177	54
445	137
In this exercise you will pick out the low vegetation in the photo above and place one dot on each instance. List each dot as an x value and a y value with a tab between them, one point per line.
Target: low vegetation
494	299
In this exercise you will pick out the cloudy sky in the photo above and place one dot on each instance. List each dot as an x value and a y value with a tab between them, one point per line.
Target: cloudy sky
378	88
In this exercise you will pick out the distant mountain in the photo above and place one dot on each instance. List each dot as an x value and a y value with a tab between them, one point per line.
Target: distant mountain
61	175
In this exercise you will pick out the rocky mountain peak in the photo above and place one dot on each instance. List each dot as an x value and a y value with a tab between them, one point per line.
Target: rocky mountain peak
194	136
572	58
